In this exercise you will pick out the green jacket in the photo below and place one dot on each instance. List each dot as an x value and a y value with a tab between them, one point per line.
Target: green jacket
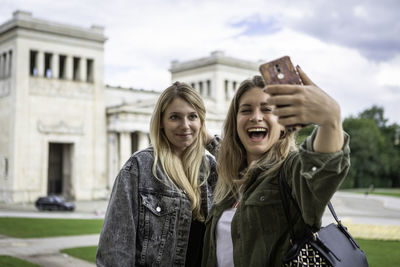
259	228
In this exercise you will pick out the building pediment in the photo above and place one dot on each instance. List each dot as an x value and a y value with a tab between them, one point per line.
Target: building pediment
24	20
138	107
216	58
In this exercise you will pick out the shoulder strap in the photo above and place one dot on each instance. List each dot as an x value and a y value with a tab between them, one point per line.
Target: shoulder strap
286	193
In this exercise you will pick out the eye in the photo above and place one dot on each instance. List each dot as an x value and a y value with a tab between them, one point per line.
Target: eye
173	117
193	116
266	109
245	111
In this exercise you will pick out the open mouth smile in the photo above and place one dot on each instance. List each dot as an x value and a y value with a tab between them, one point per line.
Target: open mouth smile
257	133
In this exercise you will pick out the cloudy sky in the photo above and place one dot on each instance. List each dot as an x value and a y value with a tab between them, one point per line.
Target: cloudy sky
349	48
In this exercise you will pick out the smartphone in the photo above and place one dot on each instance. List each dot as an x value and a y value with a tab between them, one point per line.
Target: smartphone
281	71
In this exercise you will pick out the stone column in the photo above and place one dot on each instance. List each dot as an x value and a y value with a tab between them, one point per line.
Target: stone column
143	140
82	69
40	64
113	158
230	90
55	66
68	67
124	147
209	88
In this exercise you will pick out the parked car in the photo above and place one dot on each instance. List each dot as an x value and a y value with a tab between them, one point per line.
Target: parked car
53	203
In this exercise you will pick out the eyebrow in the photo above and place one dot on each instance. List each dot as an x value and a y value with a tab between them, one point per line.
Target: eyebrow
249	105
180	113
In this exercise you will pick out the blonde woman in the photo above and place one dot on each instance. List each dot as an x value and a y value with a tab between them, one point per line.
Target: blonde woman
247	225
162	194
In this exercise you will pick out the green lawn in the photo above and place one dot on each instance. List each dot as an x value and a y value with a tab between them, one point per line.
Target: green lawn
377	252
8	261
391	192
38	227
381	253
84	253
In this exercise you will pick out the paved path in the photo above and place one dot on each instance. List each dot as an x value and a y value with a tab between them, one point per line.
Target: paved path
46	251
367	216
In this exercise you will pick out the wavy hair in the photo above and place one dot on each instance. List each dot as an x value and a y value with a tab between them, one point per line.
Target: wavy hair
232	168
182	172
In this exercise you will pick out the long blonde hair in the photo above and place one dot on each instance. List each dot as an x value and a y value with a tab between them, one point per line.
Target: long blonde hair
232	168
182	172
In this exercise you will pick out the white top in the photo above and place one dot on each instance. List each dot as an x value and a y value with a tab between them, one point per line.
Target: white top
224	239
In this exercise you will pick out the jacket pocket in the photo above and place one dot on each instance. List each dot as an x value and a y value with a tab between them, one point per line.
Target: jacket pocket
264	210
157	227
159	205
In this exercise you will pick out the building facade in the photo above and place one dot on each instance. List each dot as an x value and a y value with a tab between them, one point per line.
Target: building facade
62	130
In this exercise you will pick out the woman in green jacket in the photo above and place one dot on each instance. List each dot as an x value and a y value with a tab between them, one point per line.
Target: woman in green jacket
247	225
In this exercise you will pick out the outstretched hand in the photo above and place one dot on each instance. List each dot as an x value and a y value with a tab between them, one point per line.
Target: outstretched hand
303	104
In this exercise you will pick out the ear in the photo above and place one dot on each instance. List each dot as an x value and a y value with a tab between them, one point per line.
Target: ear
283	132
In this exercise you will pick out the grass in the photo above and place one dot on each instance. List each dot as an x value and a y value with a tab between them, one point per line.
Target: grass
39	227
381	253
15	262
83	253
391	192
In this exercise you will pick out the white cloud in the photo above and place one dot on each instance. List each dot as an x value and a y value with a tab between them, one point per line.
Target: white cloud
389	72
145	36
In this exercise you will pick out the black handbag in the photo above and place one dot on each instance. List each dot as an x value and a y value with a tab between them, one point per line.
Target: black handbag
332	245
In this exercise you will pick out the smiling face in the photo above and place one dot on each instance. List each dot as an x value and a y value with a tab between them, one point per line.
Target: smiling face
257	127
181	124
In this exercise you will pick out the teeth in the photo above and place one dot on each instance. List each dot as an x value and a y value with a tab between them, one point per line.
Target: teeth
256	130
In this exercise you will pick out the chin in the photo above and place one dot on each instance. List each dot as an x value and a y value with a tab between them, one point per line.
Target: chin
259	149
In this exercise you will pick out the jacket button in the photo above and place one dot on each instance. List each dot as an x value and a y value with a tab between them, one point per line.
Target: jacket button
314	168
262	198
158	209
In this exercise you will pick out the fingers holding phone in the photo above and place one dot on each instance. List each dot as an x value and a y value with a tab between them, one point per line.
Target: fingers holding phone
305	104
282	72
297	100
290	105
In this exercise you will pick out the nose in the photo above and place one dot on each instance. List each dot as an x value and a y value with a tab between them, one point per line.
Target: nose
256	116
185	123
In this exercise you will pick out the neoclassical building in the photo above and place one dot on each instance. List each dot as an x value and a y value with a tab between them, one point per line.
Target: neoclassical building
62	131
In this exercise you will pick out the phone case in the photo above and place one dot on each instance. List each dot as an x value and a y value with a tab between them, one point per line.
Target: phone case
280	71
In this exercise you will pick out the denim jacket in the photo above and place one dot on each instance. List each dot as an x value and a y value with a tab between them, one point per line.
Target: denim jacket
148	220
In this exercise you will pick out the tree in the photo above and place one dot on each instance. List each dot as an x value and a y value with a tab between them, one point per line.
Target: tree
375	150
392	149
365	144
375	113
303	133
